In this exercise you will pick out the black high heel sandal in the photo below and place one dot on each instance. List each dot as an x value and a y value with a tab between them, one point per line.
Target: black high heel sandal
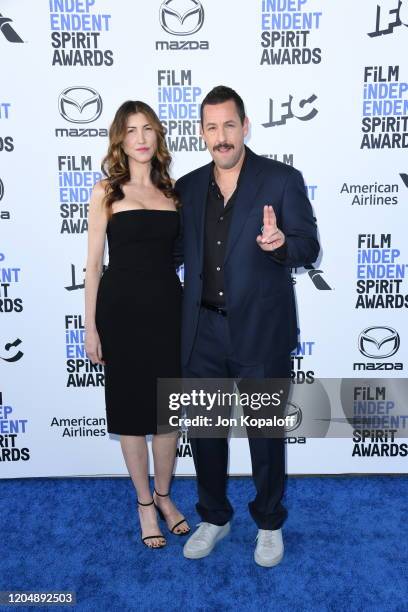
161	515
160	536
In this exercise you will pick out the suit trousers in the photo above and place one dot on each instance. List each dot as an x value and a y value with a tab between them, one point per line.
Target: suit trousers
212	357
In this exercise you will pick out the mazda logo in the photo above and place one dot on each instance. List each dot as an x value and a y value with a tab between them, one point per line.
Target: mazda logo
175	19
80	104
378	342
1	190
293	410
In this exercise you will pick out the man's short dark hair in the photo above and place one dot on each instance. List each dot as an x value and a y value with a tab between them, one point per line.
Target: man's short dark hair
221	94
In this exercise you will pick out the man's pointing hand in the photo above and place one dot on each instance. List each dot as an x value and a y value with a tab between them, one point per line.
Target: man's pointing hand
271	237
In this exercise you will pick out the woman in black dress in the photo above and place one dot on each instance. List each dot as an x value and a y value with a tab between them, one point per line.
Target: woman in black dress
132	312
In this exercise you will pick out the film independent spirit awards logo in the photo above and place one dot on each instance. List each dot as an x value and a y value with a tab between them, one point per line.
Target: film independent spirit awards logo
378	342
178	20
80	104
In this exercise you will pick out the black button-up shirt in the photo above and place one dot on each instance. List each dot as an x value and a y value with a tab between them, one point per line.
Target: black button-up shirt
217	224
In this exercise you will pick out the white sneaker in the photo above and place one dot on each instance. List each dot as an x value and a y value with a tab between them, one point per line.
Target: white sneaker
269	549
203	540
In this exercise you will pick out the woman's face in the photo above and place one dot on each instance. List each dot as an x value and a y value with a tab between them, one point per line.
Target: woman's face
140	142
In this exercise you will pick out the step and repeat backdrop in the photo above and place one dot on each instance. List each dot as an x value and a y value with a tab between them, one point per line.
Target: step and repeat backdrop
326	90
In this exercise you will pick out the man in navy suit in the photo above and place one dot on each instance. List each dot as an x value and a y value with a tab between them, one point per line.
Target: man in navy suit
247	220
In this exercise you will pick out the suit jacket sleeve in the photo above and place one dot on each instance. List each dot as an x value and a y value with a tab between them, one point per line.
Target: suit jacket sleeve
301	246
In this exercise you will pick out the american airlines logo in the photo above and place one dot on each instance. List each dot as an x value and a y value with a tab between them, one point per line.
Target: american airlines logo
8	31
316	276
404	178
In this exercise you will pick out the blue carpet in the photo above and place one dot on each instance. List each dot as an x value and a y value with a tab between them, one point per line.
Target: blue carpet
346	542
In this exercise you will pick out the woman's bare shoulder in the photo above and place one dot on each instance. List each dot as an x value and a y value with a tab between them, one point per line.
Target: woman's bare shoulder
99	191
100	187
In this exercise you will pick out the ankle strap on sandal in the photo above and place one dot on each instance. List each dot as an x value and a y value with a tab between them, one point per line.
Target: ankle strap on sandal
161	494
149	504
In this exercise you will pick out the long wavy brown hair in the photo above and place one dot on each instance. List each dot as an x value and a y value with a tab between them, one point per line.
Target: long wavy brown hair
115	165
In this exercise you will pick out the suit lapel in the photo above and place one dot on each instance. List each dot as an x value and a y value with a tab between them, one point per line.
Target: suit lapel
247	190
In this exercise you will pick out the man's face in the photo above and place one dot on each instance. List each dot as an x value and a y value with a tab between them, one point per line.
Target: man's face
224	133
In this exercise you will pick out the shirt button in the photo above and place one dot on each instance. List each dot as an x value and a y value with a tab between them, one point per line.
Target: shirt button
218	241
218	268
221	293
221	218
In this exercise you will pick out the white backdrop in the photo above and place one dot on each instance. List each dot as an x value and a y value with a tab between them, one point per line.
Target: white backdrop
315	77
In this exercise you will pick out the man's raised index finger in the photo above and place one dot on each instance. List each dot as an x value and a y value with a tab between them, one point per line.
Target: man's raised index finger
267	215
271	217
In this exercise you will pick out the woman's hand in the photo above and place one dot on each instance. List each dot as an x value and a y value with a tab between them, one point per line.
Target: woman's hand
93	347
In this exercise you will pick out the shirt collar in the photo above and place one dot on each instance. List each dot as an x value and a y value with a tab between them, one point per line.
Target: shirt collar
212	176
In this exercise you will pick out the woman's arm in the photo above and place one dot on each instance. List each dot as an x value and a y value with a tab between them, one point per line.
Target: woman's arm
97	222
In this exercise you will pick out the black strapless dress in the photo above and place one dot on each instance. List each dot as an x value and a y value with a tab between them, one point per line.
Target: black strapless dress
138	316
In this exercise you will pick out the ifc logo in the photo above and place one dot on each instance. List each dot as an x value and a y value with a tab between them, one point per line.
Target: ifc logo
178	20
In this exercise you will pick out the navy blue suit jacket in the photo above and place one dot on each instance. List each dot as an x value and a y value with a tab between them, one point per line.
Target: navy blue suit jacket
259	292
